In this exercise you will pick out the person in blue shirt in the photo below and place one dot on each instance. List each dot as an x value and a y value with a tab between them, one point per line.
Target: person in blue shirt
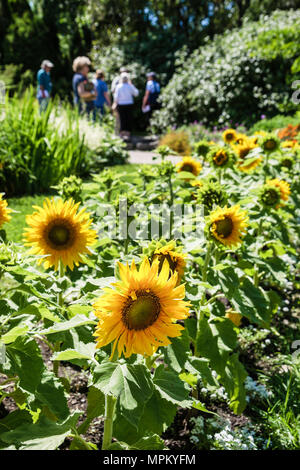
102	92
152	93
44	84
84	90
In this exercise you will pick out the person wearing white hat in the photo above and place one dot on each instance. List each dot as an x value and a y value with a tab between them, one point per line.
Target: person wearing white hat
44	84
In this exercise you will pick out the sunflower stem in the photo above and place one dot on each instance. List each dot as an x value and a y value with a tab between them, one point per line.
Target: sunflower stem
220	175
110	403
61	273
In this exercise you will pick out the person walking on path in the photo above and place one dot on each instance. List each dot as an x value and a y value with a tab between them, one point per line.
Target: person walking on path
151	95
83	89
44	84
102	93
123	101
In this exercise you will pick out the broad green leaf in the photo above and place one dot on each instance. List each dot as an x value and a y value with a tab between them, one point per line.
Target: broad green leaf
170	387
76	321
14	333
131	384
95	408
44	435
176	353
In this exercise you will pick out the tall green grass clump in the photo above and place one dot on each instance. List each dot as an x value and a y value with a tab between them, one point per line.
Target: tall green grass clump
36	154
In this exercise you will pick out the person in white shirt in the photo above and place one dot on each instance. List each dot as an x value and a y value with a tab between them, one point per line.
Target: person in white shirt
123	102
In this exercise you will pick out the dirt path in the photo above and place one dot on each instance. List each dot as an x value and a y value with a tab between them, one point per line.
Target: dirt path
144	156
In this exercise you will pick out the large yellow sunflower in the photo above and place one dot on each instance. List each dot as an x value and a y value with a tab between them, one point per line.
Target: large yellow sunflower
140	314
228	224
283	187
190	165
60	232
246	163
175	258
229	136
4	211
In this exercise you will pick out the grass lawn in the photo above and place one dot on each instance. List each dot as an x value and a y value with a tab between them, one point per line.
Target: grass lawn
23	206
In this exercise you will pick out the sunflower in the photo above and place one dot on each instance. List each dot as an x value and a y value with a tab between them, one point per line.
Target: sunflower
196	183
59	232
221	157
269	143
4	211
211	194
241	139
139	314
162	250
287	161
269	196
228	225
283	187
235	317
229	136
247	162
202	147
189	165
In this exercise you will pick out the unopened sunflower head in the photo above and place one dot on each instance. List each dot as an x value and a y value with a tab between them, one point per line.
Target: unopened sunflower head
4	211
140	313
221	157
189	165
283	187
211	194
233	316
162	250
269	196
202	147
227	225
287	161
269	143
229	136
59	232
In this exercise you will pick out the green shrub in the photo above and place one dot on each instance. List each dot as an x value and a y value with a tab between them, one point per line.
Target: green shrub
231	78
277	122
35	154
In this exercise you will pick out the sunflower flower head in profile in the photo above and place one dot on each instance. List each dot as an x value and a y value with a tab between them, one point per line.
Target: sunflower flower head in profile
189	165
59	232
4	211
221	157
283	187
227	225
139	314
229	136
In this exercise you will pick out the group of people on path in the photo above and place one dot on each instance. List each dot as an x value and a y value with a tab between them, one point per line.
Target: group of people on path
91	96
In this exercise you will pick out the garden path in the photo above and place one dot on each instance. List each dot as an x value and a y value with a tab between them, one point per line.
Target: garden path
144	156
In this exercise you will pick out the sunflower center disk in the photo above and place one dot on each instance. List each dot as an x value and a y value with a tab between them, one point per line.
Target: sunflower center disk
142	312
59	235
224	227
188	168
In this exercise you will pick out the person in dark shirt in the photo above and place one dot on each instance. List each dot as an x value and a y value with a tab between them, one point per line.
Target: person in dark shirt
83	89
